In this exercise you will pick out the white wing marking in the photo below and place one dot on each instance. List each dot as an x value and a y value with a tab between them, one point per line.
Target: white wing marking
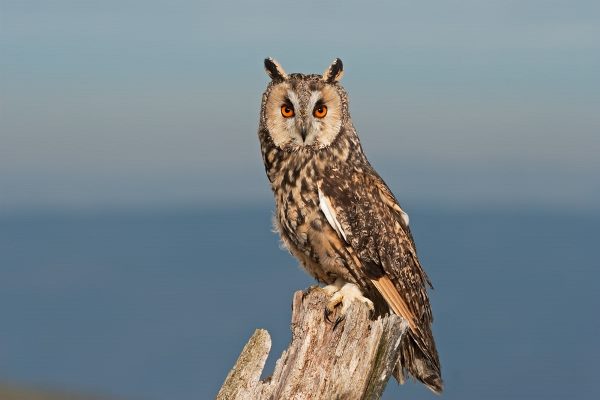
325	206
404	217
402	213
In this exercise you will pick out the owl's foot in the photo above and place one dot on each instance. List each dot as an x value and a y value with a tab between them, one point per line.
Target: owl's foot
344	293
334	287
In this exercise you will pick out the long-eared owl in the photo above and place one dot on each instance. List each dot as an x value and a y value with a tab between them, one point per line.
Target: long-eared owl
337	216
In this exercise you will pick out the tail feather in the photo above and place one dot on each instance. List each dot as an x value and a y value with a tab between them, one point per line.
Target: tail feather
419	356
424	368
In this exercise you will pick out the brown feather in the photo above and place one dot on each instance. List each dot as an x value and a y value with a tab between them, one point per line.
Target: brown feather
389	292
376	233
337	216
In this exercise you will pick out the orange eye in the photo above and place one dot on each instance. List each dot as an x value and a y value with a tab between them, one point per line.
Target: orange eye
287	111
320	111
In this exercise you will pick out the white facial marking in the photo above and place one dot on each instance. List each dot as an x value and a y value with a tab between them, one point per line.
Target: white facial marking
294	99
328	127
283	130
320	132
314	124
314	97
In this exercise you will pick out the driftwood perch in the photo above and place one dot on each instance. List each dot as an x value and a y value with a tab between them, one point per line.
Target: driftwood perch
352	361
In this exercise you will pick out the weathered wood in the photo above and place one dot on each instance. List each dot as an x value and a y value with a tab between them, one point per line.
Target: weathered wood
242	380
351	360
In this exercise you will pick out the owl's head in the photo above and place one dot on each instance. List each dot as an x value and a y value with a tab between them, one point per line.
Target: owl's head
304	111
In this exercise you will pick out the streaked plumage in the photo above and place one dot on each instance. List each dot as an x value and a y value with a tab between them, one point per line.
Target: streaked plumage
336	215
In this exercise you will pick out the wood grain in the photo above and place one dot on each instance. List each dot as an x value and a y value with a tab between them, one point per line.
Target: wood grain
351	360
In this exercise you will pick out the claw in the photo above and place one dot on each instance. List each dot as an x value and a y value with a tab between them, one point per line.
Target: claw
343	293
327	313
338	320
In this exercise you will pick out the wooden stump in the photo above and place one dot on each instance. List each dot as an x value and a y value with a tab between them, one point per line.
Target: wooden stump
351	360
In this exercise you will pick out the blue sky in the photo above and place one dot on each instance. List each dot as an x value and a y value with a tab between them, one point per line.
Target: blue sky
147	103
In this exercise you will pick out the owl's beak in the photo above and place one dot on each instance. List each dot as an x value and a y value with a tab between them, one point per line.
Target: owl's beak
301	125
303	133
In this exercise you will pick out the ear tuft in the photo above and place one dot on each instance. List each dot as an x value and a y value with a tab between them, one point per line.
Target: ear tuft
274	70
334	72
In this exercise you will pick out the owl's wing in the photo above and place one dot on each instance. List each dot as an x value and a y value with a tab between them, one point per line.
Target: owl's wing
365	214
363	211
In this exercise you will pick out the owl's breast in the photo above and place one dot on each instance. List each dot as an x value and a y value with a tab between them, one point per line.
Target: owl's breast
297	210
305	230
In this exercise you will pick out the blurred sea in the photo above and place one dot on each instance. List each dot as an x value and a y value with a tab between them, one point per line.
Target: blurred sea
158	304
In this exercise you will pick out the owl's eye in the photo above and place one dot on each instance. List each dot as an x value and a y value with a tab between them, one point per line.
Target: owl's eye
287	111
320	111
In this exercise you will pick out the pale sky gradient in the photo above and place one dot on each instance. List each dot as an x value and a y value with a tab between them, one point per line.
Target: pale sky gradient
147	103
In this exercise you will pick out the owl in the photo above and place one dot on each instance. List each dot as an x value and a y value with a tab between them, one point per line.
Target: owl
337	216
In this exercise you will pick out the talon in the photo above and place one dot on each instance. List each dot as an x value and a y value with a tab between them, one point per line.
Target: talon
338	320
327	313
344	294
330	309
335	300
